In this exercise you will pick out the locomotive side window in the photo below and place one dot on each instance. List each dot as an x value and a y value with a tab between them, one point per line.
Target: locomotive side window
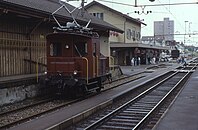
51	49
94	49
55	49
81	48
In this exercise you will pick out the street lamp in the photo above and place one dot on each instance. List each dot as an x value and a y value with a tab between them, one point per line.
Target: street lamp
185	36
189	31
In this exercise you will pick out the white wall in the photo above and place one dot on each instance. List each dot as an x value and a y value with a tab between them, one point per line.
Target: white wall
104	46
118	21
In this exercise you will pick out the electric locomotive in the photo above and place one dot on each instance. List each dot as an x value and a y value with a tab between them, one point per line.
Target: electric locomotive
75	65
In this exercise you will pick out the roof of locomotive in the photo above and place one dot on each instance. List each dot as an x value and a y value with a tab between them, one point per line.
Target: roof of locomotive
72	33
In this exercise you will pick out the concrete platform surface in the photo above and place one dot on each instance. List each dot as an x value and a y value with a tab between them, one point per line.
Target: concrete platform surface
130	70
183	114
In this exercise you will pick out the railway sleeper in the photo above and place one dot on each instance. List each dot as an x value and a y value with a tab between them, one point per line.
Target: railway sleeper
135	115
138	112
129	117
126	124
125	120
143	106
138	109
105	127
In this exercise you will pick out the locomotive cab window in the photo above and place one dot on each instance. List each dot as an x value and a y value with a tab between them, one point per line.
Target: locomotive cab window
81	48
55	49
94	49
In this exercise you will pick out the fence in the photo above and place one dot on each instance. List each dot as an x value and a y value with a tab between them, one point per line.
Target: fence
20	56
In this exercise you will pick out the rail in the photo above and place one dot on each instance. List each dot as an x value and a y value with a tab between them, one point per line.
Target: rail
138	126
93	125
156	98
159	103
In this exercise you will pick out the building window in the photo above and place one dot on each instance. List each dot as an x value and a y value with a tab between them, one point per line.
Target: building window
128	33
133	35
98	15
138	35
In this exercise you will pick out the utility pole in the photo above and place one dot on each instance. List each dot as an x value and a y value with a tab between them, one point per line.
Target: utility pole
82	7
185	37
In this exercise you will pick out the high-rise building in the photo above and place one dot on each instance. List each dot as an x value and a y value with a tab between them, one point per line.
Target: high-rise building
164	30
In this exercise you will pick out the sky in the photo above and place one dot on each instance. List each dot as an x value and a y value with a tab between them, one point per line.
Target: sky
178	13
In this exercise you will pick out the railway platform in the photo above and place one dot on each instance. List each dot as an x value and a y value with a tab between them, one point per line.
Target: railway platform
131	70
183	113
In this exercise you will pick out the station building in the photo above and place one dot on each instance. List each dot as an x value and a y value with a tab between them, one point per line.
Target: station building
24	25
125	46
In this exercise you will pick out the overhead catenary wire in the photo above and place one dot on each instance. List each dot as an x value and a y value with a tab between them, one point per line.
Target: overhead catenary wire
167	4
148	4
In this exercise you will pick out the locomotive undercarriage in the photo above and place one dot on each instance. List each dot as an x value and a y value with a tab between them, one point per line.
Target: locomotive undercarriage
74	87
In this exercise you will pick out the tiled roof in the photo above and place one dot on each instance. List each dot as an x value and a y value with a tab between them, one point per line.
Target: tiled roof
49	6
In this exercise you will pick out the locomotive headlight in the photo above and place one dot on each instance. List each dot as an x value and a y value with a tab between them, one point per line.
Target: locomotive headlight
75	72
45	72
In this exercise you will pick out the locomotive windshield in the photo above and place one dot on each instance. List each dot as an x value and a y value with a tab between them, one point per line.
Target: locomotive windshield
55	49
81	48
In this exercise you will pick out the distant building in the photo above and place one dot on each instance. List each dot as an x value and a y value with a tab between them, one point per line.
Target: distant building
122	47
164	30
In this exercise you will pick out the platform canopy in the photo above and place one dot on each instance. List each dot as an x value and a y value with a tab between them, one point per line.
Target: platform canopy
45	8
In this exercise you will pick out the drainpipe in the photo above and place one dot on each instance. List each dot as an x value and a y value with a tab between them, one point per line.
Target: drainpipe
125	30
124	39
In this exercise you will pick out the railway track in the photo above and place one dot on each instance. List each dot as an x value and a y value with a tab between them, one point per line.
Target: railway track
137	112
25	113
29	111
22	105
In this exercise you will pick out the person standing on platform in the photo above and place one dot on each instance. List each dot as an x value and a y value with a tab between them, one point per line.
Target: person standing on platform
132	63
139	60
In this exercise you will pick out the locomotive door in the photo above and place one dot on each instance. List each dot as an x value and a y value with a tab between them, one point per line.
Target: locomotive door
95	60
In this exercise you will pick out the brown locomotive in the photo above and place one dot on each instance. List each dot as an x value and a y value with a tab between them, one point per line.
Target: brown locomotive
74	63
